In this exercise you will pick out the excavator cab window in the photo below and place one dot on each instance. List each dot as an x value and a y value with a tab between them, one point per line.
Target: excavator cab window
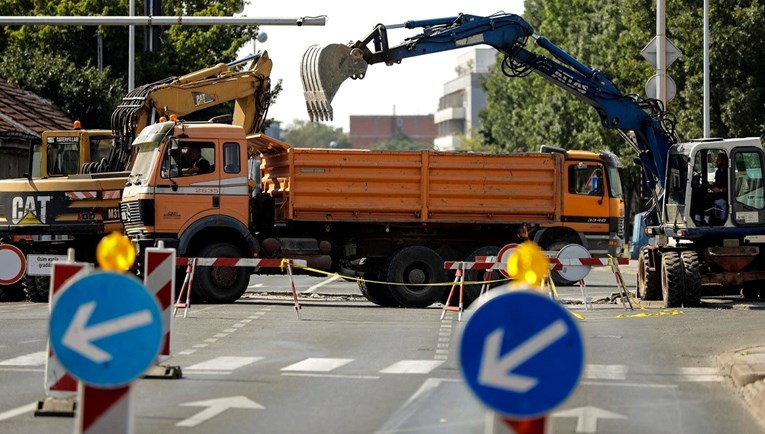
100	148
63	156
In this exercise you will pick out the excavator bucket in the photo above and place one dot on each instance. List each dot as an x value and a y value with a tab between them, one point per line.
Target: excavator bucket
323	70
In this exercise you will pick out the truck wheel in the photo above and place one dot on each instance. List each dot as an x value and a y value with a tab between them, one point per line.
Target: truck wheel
377	293
418	266
555	275
221	284
471	292
692	279
672	290
36	288
648	282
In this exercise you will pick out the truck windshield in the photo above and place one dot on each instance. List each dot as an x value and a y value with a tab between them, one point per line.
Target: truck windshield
149	143
614	182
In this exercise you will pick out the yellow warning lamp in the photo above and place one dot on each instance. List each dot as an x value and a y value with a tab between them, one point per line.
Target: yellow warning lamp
162	119
76	125
173	117
528	264
115	252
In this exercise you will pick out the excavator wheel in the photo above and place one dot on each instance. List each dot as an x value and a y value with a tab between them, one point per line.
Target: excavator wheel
672	279
36	288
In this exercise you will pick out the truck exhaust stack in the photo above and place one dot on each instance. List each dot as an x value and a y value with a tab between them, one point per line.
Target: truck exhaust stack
323	70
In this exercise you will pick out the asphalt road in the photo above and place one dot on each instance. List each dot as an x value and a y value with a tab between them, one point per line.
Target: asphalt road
351	367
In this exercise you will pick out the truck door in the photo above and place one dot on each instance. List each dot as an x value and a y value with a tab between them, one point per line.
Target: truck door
585	205
234	195
191	193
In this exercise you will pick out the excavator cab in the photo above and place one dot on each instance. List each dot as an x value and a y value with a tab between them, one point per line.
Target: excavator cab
715	183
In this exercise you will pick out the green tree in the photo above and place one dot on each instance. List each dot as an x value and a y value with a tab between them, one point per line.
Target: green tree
36	58
303	134
522	114
401	142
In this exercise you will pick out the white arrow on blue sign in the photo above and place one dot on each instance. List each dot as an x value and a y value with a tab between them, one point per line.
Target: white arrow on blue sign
521	354
105	329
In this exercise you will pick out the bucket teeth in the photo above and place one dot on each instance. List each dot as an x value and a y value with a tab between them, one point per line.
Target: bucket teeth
323	70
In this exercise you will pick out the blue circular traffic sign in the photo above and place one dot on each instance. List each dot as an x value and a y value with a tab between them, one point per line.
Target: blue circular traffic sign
105	329
521	354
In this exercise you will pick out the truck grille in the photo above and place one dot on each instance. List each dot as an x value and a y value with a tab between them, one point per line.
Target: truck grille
137	213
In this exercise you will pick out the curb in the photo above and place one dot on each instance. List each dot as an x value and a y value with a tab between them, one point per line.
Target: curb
746	367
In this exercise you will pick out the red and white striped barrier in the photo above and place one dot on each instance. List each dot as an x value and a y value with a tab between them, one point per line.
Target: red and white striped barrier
241	262
159	279
192	263
555	263
104	411
59	384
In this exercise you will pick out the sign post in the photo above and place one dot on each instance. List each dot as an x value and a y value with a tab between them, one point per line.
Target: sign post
521	353
106	330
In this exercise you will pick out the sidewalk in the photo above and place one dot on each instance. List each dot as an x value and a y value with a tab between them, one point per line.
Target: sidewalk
747	369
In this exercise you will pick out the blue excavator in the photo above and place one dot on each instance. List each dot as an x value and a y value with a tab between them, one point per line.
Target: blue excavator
707	217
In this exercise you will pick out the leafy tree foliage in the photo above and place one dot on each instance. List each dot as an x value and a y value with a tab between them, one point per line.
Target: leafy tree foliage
401	142
524	113
304	134
36	58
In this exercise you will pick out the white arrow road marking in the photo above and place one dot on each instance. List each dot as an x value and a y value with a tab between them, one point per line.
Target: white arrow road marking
587	417
216	407
79	338
495	371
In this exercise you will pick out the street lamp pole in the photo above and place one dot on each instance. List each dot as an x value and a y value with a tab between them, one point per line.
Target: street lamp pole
706	69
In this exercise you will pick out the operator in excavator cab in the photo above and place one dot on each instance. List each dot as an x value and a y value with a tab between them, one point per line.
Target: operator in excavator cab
715	203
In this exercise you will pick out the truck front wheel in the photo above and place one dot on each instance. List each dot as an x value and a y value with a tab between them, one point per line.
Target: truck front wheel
221	284
410	271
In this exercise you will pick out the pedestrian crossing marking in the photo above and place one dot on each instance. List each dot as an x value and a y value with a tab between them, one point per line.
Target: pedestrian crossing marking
223	364
605	372
317	364
412	367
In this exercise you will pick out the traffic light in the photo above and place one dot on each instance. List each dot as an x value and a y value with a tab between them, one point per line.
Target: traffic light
151	34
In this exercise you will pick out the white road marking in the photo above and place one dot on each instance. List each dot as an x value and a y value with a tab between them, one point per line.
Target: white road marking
223	364
33	359
699	374
317	364
17	411
412	367
320	284
318	375
605	372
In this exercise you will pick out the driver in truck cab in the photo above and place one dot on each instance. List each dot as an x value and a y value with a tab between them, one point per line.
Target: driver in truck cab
199	164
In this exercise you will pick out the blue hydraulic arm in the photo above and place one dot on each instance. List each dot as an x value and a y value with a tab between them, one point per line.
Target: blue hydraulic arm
324	68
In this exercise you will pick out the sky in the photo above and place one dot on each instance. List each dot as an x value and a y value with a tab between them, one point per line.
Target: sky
409	88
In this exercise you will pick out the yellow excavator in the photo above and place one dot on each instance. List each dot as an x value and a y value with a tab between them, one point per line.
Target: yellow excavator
70	196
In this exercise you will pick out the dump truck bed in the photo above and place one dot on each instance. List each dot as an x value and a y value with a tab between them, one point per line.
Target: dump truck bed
345	185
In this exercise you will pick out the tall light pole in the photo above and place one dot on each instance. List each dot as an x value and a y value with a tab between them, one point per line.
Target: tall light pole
706	69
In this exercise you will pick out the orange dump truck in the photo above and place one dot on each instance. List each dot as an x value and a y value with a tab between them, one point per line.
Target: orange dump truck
389	216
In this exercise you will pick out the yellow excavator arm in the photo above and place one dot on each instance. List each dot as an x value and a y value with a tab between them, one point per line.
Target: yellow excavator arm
249	89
